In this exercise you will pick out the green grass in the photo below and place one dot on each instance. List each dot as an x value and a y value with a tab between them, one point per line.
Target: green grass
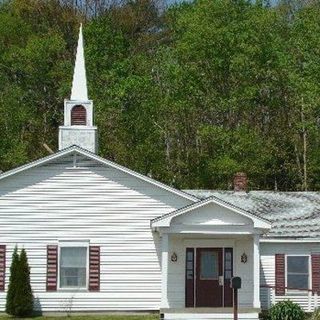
91	317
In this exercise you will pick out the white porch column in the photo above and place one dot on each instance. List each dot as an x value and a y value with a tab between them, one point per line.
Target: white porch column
256	271
164	270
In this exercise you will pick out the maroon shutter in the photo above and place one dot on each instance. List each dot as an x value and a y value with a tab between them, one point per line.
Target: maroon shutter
315	267
94	268
2	267
280	274
52	267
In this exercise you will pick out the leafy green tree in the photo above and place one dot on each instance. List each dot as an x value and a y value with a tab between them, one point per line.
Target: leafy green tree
188	95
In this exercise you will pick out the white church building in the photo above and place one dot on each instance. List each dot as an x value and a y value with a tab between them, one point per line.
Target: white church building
103	238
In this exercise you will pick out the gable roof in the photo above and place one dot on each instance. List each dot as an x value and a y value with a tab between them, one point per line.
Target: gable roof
76	149
165	220
293	215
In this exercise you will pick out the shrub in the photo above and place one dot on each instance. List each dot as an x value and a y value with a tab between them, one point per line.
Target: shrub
286	310
315	315
264	315
10	302
19	296
24	296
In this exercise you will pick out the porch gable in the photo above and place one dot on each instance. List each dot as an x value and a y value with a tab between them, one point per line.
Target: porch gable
211	212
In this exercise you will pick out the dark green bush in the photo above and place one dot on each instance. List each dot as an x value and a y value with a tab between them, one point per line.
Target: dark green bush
19	297
24	296
13	280
286	310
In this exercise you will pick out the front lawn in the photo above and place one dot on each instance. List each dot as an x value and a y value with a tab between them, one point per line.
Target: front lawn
92	317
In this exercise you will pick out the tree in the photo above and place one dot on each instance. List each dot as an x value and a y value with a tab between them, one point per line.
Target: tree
24	296
13	283
188	95
19	296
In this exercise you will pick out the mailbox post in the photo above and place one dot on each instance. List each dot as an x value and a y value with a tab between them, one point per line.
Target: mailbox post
235	284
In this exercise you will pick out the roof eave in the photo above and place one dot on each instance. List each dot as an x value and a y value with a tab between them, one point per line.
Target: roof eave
93	156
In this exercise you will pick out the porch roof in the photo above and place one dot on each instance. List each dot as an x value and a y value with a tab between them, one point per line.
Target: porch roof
165	220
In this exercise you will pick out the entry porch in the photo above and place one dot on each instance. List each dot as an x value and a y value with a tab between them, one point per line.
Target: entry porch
202	247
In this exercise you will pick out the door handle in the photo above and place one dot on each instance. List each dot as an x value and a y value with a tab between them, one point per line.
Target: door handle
221	280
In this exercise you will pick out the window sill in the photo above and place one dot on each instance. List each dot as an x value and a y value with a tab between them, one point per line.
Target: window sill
72	290
297	293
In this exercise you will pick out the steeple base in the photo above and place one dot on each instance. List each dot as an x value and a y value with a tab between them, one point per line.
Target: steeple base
82	136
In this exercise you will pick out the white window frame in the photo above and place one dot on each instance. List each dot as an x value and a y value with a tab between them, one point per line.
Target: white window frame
298	291
74	244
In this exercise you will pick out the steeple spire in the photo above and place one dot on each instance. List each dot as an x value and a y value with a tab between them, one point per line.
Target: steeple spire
79	90
79	128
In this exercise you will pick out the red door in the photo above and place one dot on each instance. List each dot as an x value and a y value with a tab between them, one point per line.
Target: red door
209	292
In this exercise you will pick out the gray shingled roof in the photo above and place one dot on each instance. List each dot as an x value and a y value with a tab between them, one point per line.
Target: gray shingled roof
293	214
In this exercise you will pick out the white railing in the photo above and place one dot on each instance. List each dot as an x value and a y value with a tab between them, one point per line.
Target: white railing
306	298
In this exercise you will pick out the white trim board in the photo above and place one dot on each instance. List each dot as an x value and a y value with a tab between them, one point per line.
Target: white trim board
304	240
209	243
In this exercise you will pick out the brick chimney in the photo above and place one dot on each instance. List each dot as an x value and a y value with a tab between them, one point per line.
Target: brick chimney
240	182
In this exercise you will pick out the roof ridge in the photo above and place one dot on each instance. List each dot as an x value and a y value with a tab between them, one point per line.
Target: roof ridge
247	192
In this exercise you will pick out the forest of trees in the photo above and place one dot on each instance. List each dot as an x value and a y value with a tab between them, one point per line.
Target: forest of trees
188	94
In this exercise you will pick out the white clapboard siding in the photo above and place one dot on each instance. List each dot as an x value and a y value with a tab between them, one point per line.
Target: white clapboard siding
93	202
267	273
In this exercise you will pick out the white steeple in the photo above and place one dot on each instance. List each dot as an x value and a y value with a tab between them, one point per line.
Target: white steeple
79	90
78	128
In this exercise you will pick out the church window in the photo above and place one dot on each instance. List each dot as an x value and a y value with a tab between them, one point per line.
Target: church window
298	272
73	267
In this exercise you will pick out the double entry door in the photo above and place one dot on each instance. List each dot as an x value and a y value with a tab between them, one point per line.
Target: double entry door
208	274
